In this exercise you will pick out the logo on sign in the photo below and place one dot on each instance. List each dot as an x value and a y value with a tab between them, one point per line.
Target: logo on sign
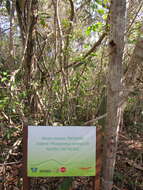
63	169
34	169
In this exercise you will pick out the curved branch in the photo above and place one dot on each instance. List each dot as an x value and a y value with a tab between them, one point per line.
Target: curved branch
72	10
95	45
68	33
79	63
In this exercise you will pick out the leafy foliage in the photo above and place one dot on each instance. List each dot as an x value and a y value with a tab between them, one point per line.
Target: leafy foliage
54	73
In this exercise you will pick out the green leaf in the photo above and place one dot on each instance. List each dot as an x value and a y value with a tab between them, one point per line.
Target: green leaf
94	27
106	1
99	2
100	11
88	31
3	79
4	73
105	16
42	22
86	46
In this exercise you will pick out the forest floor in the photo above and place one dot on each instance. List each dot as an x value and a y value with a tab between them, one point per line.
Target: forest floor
129	162
128	172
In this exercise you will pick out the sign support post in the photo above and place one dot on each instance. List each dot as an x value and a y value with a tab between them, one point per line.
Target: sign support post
26	179
96	180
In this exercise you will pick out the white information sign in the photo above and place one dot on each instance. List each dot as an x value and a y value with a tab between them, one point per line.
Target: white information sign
61	151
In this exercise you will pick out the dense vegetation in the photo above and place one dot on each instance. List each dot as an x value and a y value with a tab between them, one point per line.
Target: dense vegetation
54	70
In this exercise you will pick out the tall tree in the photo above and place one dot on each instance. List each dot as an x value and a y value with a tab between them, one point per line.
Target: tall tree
27	17
114	90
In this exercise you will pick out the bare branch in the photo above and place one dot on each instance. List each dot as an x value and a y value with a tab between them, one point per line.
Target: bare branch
96	119
96	44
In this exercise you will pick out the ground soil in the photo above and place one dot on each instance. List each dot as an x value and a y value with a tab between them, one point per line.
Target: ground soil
128	171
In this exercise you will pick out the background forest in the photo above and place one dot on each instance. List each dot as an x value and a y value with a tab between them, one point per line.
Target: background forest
56	68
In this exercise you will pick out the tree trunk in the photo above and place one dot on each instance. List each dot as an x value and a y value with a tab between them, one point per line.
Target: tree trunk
11	33
114	90
27	17
134	72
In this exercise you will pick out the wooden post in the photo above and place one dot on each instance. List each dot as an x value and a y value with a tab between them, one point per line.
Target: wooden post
26	180
96	180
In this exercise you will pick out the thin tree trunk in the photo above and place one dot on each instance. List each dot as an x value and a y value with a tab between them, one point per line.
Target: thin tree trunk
27	17
11	21
134	71
114	90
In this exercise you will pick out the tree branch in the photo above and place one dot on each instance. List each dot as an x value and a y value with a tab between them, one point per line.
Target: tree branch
96	44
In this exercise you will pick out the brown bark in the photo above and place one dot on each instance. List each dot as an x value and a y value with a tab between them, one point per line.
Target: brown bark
26	13
27	17
99	140
114	90
11	28
134	71
68	32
